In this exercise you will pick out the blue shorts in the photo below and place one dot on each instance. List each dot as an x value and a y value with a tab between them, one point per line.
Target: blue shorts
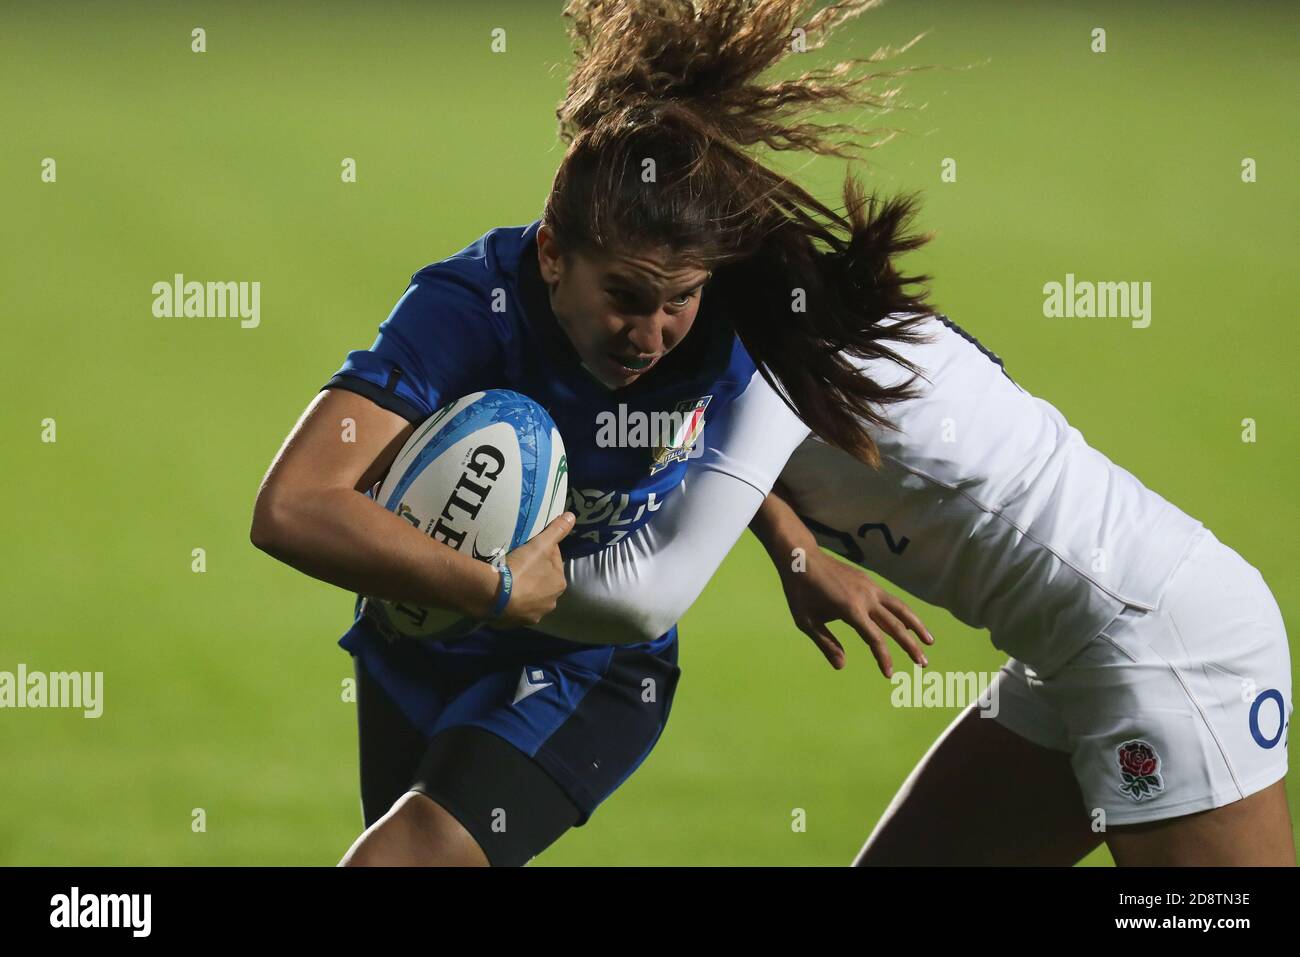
587	715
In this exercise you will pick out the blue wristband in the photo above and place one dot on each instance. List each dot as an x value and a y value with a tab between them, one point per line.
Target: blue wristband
503	594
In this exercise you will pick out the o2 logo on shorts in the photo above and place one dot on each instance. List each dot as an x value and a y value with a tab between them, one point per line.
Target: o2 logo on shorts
1258	705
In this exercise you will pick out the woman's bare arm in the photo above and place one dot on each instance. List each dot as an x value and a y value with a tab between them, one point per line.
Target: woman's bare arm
820	589
312	513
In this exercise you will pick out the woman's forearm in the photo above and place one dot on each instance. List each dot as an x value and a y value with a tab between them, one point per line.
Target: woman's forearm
780	529
340	536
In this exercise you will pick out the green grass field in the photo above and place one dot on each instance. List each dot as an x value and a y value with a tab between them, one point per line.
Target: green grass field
223	689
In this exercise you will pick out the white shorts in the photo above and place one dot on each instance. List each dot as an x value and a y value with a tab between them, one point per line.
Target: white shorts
1170	711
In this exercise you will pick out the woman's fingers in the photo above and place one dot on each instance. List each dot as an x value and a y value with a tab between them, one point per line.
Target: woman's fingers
864	626
827	643
909	618
886	620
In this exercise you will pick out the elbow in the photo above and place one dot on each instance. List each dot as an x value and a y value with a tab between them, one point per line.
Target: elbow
644	623
653	626
269	524
656	604
607	619
646	613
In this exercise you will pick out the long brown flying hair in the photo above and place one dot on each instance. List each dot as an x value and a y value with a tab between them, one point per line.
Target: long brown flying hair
677	82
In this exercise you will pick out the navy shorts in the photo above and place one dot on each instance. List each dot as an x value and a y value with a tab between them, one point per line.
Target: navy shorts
518	749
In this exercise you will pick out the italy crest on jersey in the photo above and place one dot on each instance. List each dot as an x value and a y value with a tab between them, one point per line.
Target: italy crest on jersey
686	427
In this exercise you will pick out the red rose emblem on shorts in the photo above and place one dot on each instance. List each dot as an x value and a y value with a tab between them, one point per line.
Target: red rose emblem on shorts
1139	767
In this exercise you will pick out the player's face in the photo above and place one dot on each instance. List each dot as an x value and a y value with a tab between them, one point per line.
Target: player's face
623	313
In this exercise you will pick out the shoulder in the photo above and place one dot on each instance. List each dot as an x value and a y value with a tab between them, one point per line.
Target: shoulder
464	295
487	262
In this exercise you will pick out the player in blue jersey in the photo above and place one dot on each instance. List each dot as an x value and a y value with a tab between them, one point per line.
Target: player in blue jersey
486	749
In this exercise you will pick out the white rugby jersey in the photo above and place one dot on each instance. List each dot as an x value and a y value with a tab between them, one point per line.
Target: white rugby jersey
990	505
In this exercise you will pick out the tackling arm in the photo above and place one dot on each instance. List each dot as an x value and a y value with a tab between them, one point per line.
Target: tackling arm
638	588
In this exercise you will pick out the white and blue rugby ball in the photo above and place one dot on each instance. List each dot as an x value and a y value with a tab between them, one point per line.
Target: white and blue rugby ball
482	475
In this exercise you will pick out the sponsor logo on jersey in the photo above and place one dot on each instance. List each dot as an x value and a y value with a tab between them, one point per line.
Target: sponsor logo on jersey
1139	769
689	419
530	682
621	512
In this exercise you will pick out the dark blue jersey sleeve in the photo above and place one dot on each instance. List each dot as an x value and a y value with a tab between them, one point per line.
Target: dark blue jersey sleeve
440	342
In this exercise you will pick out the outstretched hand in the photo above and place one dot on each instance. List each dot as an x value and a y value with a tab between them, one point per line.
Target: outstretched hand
829	590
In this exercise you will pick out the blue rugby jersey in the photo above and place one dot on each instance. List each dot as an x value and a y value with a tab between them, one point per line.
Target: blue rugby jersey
481	319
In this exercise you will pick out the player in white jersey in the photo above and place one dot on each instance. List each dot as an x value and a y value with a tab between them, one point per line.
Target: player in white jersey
1148	696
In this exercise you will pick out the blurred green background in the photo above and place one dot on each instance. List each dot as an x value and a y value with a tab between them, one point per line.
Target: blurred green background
222	689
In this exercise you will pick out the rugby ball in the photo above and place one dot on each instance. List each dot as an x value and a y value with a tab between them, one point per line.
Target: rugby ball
482	475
